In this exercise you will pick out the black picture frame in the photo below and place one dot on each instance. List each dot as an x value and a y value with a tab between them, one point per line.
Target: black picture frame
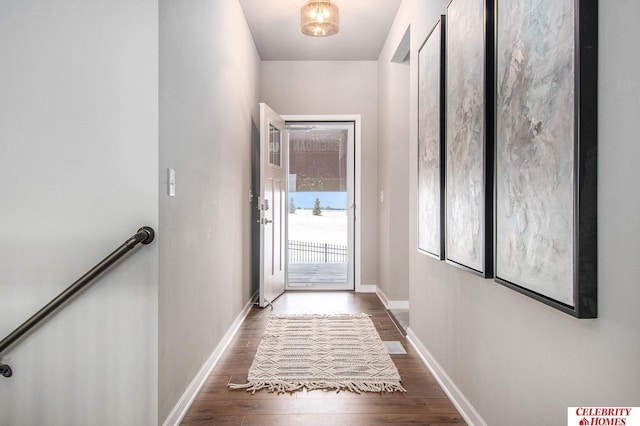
431	141
546	154
470	135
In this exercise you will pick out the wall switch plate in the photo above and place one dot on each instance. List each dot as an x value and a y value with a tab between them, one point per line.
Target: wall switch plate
171	182
382	196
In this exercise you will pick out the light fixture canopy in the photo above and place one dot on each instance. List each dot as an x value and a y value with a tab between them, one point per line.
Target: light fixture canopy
319	18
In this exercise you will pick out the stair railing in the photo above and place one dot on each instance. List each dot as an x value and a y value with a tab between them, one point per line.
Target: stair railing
145	235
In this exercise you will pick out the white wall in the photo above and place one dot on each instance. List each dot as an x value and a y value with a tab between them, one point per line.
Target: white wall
78	162
516	360
325	87
393	174
209	80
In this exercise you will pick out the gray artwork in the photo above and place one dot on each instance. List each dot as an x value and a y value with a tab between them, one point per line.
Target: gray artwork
465	133
535	146
429	64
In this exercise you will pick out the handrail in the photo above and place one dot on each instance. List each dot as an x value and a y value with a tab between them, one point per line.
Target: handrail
145	235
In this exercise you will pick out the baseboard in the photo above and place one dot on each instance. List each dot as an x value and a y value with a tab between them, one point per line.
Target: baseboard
467	411
366	288
398	304
391	304
179	411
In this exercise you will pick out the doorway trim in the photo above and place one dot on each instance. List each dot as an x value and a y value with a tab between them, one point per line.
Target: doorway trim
357	119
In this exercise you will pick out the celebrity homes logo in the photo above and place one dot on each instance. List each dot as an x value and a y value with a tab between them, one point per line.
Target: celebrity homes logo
603	416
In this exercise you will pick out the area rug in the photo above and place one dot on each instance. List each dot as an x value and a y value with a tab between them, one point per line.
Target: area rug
341	352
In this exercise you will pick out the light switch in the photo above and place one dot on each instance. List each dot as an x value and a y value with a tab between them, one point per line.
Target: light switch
382	196
171	182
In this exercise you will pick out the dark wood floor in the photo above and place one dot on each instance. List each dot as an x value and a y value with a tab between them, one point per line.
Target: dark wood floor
424	403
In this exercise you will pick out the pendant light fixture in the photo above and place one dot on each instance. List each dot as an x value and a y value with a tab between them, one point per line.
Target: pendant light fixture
319	18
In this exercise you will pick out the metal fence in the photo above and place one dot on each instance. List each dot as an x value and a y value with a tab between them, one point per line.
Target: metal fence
308	252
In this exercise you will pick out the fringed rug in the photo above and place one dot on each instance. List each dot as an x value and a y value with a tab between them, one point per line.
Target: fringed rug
342	352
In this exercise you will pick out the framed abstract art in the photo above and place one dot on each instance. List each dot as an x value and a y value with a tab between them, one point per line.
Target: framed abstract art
546	151
469	136
431	131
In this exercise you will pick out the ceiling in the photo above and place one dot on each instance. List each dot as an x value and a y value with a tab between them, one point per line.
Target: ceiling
364	25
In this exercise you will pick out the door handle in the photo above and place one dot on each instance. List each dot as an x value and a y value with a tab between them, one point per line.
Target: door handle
264	221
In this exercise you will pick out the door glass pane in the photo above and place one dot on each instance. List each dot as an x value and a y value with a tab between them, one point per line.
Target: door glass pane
318	235
275	151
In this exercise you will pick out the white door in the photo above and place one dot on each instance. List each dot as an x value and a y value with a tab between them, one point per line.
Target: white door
272	204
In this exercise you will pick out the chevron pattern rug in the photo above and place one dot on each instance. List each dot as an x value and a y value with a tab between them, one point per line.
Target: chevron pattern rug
341	352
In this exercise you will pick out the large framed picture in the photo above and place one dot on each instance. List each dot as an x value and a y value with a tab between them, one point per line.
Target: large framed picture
469	136
546	151
431	133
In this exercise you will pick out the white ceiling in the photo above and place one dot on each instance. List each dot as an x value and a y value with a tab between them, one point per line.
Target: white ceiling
364	24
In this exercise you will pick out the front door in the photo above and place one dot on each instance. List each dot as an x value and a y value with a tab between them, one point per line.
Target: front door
272	204
320	229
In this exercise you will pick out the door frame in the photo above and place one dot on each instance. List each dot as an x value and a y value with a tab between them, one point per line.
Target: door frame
357	120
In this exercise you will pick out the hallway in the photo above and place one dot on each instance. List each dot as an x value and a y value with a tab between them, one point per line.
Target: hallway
424	403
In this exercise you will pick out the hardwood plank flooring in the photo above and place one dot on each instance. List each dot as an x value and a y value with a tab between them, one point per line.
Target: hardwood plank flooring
424	403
